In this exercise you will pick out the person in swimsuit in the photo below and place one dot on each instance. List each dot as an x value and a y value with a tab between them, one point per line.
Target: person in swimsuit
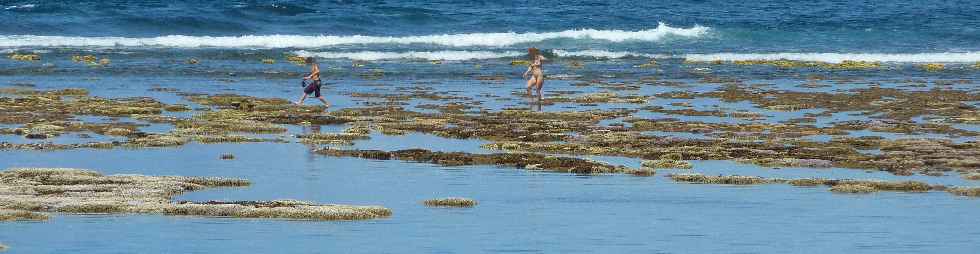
534	68
314	86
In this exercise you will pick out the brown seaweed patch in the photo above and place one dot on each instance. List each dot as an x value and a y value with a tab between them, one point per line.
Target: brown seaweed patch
450	202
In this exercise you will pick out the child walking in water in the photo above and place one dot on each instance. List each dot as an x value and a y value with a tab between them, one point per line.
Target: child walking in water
534	68
314	86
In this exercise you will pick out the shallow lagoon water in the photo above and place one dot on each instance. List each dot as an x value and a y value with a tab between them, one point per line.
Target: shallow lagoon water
519	210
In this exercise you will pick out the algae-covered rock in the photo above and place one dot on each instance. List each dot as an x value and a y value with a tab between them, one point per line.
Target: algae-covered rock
965	191
519	160
809	182
88	59
733	179
221	138
119	132
652	63
667	163
933	67
972	176
40	130
296	59
285	209
450	202
177	108
24	57
16	215
853	188
905	186
26	192
158	140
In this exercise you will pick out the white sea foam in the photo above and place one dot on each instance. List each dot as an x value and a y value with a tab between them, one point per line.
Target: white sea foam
968	57
14	7
448	55
300	41
603	54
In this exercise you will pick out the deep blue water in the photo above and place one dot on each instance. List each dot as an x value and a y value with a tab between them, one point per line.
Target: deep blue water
497	28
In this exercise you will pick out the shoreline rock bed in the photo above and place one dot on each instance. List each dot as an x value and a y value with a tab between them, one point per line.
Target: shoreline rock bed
769	144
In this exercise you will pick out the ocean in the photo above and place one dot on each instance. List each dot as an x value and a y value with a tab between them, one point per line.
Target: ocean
698	62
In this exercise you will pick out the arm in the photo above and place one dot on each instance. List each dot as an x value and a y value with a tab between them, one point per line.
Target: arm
537	62
526	72
315	71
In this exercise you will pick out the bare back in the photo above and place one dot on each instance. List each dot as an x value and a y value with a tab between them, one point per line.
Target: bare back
315	72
